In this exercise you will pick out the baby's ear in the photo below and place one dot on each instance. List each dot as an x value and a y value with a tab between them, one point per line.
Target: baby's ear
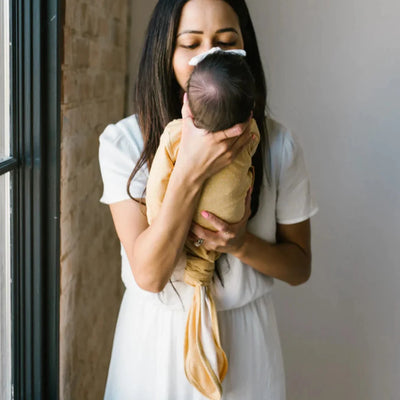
197	124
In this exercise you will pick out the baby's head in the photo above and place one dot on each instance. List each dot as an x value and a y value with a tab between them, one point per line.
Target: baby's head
221	91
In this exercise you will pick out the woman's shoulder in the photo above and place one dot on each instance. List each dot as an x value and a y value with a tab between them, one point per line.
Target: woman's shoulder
278	134
281	140
121	145
295	202
125	134
281	150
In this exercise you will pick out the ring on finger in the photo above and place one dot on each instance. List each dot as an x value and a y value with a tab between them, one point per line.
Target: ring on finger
198	242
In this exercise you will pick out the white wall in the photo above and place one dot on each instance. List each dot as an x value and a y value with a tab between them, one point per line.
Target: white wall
333	69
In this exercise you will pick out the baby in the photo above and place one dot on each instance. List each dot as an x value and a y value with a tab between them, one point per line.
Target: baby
221	93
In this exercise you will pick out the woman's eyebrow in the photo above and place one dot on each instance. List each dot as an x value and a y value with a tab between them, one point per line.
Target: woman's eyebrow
227	30
200	32
189	31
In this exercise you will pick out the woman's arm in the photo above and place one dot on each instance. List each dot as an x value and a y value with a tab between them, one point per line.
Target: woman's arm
289	259
153	250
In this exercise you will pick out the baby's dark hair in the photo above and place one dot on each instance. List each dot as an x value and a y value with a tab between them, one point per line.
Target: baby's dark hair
221	91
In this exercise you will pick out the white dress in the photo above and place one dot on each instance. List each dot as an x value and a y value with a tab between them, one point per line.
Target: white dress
147	354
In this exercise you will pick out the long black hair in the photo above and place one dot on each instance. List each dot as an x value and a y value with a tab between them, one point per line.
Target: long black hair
158	96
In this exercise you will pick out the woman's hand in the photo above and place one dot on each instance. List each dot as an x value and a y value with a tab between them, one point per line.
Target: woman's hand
203	153
228	238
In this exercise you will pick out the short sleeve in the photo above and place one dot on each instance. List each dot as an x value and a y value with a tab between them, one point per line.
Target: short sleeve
294	200
120	148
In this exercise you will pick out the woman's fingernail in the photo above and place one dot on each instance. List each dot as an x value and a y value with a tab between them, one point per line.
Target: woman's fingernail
237	130
204	214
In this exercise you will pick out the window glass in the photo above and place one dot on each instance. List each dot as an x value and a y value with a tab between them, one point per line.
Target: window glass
5	288
5	210
4	81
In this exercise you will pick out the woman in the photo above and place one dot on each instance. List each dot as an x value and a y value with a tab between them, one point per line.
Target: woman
147	358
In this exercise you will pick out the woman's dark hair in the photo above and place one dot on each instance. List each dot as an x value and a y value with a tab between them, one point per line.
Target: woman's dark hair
221	91
158	97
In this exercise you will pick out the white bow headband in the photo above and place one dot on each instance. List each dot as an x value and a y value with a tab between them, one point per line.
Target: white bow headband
196	59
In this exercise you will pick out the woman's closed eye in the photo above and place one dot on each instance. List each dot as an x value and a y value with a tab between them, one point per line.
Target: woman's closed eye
226	44
217	44
189	46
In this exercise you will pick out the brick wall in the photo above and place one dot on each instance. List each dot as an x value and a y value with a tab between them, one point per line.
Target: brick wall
93	95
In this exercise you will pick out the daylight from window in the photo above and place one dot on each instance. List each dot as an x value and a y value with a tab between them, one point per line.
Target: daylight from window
5	269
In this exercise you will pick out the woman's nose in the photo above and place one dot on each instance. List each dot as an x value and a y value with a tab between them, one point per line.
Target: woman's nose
206	46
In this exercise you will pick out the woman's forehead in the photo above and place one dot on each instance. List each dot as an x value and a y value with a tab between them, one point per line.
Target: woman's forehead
207	15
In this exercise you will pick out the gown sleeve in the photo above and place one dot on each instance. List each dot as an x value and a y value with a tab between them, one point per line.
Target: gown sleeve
120	148
294	200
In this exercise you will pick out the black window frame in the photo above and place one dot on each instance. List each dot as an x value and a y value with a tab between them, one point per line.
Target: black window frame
34	164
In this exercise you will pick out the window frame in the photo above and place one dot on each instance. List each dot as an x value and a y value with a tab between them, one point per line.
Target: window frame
35	168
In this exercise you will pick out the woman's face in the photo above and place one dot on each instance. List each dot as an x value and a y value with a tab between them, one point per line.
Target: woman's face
204	24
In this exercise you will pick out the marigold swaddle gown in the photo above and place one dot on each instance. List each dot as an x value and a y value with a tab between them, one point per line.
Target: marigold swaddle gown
224	195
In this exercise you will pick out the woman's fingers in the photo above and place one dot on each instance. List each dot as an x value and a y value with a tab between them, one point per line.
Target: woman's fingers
206	153
218	223
230	133
242	140
235	143
209	237
199	232
227	237
219	238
